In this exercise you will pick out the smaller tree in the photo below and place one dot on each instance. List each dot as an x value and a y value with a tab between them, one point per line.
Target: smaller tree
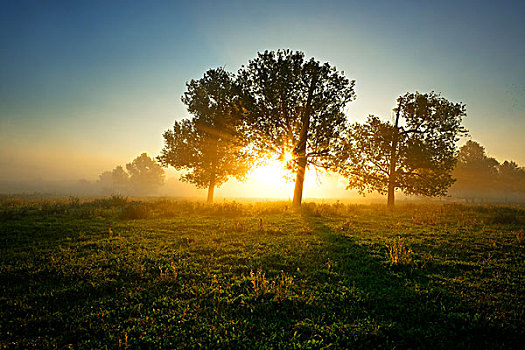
145	175
472	158
512	179
115	181
105	181
120	179
210	146
416	154
476	174
481	178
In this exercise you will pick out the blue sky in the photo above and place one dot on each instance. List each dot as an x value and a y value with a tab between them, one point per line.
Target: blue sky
87	85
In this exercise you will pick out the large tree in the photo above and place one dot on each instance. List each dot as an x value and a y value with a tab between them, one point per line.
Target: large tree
295	109
209	147
415	154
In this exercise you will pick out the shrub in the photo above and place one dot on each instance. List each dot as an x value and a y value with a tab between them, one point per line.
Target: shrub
280	289
398	252
260	284
503	218
115	200
136	211
520	237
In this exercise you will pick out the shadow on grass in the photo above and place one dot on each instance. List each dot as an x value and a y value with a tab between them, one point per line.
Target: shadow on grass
345	295
409	311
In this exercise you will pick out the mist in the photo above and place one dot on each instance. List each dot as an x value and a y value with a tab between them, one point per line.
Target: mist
499	182
324	187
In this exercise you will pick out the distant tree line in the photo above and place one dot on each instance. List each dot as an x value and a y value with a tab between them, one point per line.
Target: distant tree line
284	106
143	176
480	178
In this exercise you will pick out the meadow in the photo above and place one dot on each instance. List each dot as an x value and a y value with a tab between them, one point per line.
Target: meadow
129	274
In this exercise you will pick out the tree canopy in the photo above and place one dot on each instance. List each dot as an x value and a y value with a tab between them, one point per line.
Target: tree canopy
295	107
415	154
209	146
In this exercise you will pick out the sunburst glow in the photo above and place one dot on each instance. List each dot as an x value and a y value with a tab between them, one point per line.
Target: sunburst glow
274	179
271	174
288	156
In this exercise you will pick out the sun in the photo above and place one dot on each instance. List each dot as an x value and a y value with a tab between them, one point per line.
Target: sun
272	179
275	179
288	156
273	173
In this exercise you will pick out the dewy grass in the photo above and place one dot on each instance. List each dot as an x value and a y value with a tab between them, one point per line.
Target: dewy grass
180	274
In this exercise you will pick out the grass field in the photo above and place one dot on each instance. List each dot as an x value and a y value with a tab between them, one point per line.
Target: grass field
113	273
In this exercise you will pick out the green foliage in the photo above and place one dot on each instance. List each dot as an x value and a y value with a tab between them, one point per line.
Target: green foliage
365	155
209	147
187	278
415	155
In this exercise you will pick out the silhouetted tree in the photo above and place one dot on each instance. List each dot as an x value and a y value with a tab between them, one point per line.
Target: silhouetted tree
115	181
475	173
105	181
480	177
295	106
472	156
145	175
120	179
209	146
511	179
416	154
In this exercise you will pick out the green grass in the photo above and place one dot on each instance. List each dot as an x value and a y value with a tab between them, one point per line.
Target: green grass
118	274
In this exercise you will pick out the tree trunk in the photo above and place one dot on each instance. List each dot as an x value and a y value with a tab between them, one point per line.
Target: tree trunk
300	149
211	189
299	182
393	162
391	195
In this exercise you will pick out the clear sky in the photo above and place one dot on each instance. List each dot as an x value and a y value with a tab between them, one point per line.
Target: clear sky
88	85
